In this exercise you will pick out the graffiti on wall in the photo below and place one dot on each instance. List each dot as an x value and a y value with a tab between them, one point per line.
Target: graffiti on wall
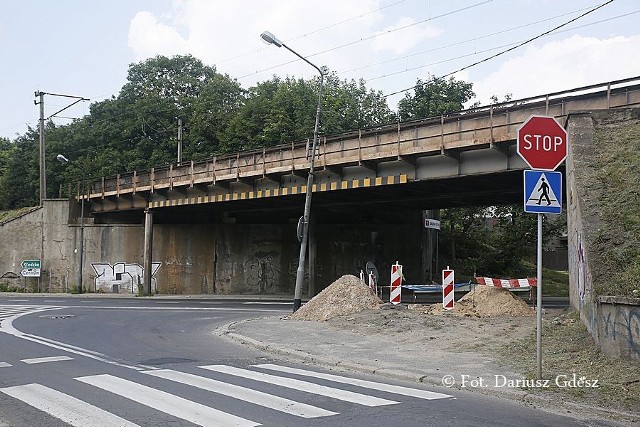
583	284
625	325
122	277
261	273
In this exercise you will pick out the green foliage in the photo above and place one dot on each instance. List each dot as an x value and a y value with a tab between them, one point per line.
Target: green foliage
8	287
434	97
19	178
491	241
137	129
282	111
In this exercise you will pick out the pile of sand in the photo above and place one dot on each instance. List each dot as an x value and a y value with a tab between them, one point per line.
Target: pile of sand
486	301
347	295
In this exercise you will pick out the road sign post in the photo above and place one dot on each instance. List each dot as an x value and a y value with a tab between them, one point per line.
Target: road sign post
543	145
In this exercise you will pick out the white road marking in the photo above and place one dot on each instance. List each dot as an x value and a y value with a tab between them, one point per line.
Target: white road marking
46	359
64	407
165	402
305	386
413	392
266	303
5	365
246	394
6	326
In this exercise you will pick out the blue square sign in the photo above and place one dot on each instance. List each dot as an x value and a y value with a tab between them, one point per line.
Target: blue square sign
542	191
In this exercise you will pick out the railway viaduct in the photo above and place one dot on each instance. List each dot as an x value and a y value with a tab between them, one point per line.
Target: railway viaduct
227	225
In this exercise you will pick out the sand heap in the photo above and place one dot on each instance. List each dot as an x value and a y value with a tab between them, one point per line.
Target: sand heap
486	301
347	295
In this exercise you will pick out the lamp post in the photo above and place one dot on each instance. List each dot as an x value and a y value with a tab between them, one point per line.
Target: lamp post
63	159
297	299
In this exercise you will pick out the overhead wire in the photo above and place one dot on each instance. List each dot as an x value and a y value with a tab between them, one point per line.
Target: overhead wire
492	48
344	21
517	44
469	40
370	37
511	48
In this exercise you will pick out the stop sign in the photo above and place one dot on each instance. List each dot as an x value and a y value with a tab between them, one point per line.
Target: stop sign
542	143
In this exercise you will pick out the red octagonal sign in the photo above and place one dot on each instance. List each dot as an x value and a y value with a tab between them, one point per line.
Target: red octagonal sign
542	143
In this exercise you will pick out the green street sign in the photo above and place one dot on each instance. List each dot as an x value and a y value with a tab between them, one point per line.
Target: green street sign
30	263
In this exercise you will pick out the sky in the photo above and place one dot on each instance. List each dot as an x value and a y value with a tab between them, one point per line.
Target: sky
84	48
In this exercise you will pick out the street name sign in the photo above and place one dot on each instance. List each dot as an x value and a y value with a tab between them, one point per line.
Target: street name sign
542	143
30	263
542	192
30	268
432	223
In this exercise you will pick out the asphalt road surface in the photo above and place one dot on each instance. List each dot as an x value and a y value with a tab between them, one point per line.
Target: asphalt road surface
85	361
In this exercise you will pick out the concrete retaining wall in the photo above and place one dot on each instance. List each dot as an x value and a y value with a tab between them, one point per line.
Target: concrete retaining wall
197	258
618	332
614	322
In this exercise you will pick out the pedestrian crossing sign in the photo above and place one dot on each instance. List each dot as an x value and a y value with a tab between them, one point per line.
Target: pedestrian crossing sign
542	191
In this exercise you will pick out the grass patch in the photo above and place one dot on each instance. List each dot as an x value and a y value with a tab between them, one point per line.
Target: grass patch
567	349
14	213
611	178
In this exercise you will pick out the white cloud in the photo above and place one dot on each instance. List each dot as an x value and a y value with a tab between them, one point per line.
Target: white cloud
227	34
149	37
565	64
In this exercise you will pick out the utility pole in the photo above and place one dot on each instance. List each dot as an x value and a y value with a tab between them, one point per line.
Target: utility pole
43	175
179	140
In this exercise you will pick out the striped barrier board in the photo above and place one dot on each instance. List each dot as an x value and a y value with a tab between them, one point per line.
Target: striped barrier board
396	282
507	283
448	289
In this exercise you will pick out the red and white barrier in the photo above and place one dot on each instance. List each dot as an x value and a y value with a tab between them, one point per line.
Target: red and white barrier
396	283
447	289
507	283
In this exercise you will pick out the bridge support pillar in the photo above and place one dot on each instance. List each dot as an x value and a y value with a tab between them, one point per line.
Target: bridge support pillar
148	252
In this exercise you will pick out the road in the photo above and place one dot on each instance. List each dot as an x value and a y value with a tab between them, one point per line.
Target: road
87	361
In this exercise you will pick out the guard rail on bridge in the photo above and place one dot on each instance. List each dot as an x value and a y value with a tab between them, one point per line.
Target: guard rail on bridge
493	126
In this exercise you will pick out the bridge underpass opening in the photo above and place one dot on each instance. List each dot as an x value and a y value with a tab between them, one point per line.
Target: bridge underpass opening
250	246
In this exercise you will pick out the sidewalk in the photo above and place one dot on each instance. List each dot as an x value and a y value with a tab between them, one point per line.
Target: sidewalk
322	344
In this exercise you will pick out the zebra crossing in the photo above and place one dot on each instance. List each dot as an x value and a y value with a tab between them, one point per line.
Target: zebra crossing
215	381
12	311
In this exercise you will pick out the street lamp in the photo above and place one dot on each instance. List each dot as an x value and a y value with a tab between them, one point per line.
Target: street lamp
62	159
297	300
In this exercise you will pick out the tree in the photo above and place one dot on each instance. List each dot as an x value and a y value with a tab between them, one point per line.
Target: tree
434	97
491	240
19	183
280	111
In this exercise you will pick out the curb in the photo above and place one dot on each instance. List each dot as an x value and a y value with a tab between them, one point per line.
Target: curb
585	412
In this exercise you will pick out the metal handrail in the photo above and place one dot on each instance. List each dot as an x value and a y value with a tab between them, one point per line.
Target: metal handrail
292	156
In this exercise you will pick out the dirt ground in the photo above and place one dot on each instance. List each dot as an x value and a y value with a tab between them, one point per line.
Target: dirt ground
567	348
493	325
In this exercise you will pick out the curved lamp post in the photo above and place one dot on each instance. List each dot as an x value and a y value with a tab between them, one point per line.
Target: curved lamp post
297	299
62	159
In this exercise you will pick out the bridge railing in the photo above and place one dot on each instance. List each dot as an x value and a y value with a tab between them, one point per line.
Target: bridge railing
463	130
